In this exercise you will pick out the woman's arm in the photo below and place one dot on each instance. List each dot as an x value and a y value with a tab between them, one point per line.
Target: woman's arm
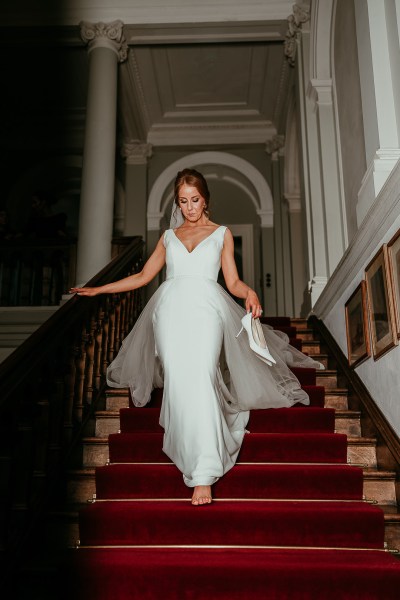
235	285
152	266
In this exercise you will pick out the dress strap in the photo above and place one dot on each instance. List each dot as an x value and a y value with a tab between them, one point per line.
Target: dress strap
222	229
166	236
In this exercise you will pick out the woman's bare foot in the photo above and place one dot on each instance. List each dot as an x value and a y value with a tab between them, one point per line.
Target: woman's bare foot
201	495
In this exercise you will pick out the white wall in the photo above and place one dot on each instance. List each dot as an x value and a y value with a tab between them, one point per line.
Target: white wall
381	377
349	108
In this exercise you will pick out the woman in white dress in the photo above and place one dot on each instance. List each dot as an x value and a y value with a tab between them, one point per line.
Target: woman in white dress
186	341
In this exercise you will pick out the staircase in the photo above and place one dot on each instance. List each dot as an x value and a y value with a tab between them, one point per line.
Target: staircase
307	512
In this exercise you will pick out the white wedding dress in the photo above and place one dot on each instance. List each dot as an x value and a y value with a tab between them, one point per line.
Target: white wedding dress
185	340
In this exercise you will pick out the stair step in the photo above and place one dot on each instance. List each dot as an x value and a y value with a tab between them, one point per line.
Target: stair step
257	448
392	527
348	422
327	378
362	451
322	358
117	398
380	486
104	573
299	323
64	524
337	398
306	335
81	485
264	523
311	347
278	420
243	481
95	451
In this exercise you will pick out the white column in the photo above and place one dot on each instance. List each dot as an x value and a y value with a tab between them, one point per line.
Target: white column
299	274
272	147
321	95
106	46
379	54
136	154
312	177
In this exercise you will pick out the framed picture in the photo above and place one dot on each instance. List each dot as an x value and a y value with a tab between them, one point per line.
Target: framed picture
357	330
380	304
393	248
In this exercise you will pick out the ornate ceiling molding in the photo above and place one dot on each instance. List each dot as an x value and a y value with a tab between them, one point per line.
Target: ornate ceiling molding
300	15
275	146
143	11
189	134
110	35
136	152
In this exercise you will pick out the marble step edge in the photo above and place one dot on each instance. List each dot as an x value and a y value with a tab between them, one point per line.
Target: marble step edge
354	440
340	413
125	391
368	473
299	321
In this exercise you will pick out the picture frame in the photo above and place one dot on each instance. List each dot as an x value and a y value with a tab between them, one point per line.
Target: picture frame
380	304
357	328
393	248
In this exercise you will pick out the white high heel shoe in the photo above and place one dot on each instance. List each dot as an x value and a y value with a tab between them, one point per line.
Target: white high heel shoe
256	338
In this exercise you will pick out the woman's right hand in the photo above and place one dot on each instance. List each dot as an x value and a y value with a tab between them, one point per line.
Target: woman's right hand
85	291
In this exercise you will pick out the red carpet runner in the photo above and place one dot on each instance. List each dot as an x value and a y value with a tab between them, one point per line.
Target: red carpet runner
288	521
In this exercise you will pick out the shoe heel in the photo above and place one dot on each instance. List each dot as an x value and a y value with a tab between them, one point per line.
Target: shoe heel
237	335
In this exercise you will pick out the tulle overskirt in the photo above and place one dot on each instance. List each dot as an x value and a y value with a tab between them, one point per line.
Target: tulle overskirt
244	380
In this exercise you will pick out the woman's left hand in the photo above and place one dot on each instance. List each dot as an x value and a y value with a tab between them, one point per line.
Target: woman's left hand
253	304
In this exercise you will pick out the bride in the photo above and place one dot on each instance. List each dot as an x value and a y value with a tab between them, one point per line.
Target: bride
186	341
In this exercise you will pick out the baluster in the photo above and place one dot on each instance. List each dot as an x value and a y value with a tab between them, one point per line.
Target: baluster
104	346
122	329
69	393
111	332
117	334
98	348
8	428
56	395
21	463
80	359
89	349
40	440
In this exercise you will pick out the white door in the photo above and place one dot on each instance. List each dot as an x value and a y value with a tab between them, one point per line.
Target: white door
244	251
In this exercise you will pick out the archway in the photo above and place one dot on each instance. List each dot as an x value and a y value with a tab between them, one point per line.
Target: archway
252	183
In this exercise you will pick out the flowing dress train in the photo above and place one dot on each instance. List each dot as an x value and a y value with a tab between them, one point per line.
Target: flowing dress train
185	340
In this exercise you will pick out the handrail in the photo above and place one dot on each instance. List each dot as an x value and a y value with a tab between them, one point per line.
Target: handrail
75	307
380	422
34	272
50	386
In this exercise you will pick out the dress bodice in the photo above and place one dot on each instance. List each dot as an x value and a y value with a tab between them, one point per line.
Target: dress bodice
203	262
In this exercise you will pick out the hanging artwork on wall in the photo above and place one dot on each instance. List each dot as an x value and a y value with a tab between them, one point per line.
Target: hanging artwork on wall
380	304
394	269
357	330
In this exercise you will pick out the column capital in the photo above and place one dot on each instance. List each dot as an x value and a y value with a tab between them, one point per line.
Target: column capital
136	152
266	217
320	92
105	35
300	15
275	146
294	202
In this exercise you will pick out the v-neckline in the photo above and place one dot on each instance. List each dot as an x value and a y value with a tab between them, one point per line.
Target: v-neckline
199	244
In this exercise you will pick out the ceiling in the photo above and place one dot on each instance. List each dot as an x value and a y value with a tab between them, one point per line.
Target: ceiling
183	84
204	93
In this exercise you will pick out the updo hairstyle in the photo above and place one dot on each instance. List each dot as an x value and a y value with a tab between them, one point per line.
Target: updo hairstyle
195	179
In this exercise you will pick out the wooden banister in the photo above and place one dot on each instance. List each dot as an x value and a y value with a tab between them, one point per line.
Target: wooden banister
48	391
